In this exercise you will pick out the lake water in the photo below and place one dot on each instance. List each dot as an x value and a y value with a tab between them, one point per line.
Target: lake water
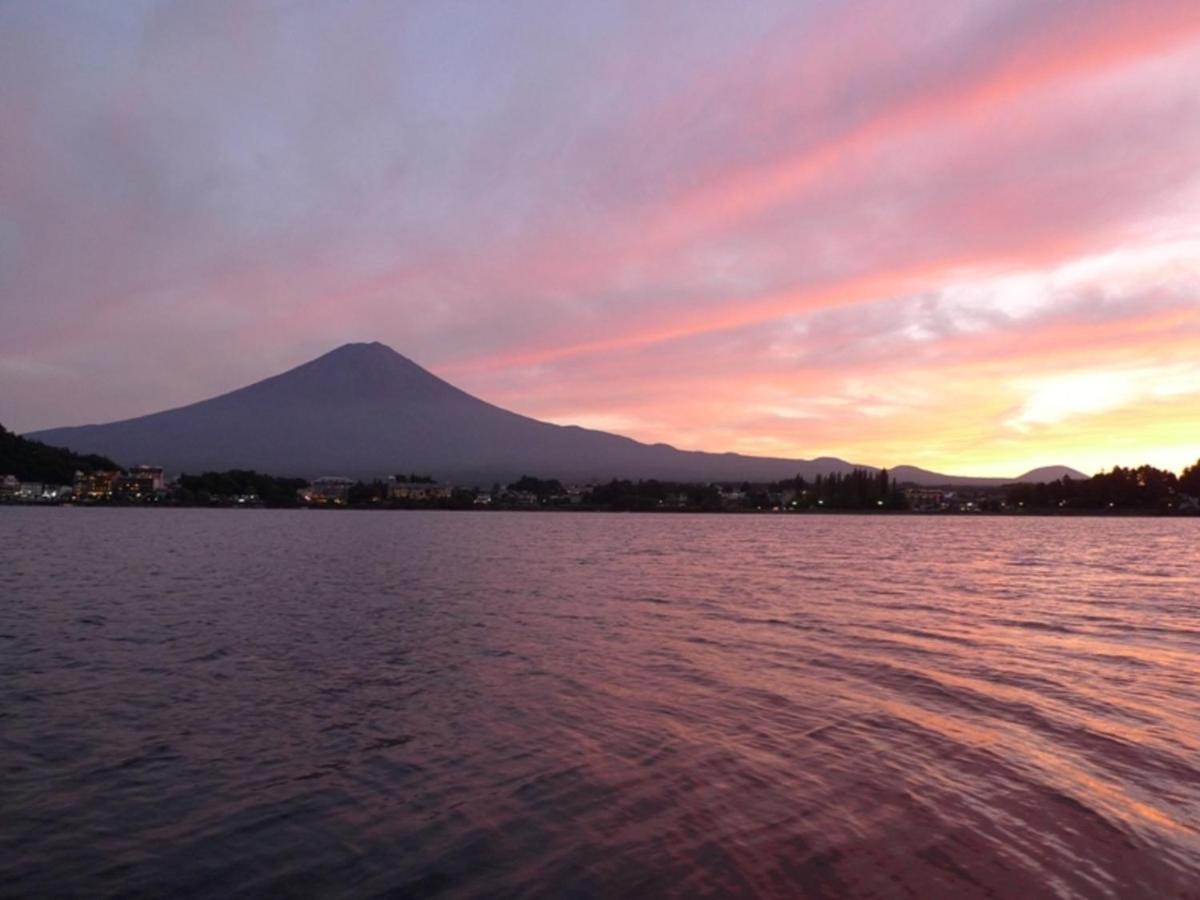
201	703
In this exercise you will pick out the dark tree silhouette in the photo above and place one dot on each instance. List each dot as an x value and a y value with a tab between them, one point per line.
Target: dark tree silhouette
1189	481
34	461
221	487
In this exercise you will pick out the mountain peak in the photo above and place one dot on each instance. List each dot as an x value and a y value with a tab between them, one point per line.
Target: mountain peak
365	355
363	349
360	370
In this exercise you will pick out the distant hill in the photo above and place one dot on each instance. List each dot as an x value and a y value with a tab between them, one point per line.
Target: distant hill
1051	473
914	475
31	460
365	411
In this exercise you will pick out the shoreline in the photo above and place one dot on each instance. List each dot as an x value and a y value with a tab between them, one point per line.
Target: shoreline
808	513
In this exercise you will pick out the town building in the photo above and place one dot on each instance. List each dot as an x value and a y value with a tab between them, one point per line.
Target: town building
150	479
98	485
731	498
925	499
34	491
519	498
405	489
141	483
328	489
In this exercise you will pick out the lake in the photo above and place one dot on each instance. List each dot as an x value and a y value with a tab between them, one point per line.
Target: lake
216	703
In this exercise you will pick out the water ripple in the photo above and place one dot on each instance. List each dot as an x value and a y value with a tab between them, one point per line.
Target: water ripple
200	703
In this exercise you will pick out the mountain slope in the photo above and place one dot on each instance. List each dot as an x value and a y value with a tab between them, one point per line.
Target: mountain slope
365	411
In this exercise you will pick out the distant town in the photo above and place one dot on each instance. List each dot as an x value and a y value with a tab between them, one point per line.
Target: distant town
861	491
43	475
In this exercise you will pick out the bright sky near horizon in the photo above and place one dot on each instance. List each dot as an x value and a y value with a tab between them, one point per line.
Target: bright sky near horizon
961	235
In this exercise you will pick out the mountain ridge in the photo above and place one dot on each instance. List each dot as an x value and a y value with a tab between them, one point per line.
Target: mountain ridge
364	410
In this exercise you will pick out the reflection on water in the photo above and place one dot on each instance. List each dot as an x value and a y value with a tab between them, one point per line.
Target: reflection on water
214	703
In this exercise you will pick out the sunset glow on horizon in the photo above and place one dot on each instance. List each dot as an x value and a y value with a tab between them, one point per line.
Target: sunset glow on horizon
962	236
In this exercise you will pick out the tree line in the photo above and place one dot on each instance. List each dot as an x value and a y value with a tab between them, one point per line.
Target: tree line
1145	488
34	461
860	489
221	487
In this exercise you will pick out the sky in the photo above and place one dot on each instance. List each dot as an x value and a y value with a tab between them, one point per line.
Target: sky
961	235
